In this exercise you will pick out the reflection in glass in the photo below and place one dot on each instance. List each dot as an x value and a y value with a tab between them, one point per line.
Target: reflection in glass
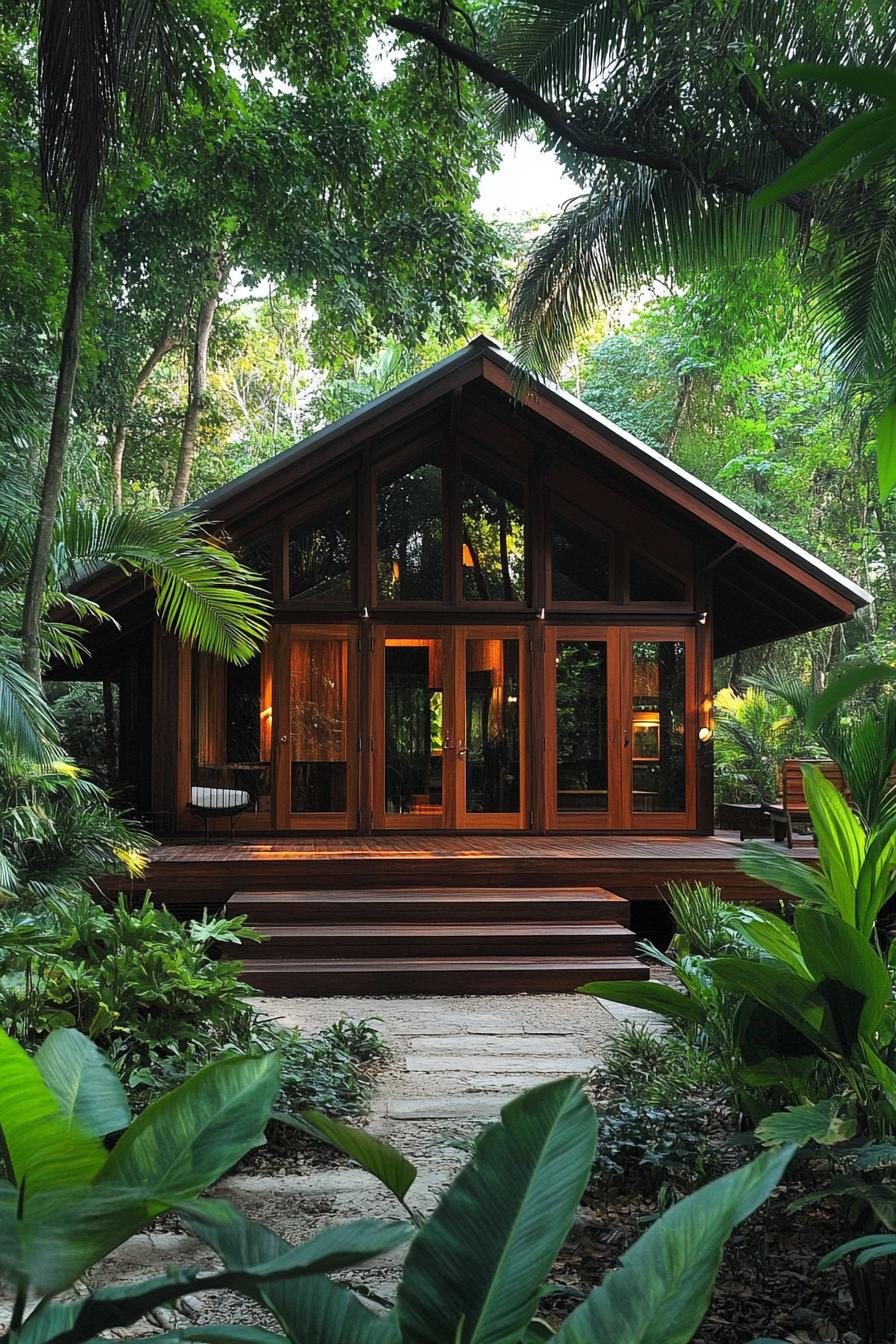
658	726
409	535
320	557
318	685
231	731
413	710
258	553
582	726
493	725
580	564
647	583
493	555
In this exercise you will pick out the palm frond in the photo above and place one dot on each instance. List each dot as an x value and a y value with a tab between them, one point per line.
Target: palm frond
26	723
641	227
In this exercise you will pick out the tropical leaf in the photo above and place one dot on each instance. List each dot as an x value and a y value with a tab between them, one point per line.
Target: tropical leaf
834	951
842	687
473	1272
661	1291
647	994
840	838
885	1242
783	992
27	727
885	451
771	934
83	1082
825	1122
788	874
868	131
188	1138
375	1155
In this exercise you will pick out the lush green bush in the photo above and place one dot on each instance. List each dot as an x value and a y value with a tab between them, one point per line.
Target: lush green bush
754	734
156	995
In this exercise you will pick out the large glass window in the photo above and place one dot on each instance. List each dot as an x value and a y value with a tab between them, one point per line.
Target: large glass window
493	725
658	726
493	543
258	553
231	733
413	726
580	564
320	557
318	733
581	680
409	534
650	583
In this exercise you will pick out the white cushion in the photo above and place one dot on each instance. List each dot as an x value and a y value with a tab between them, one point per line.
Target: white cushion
218	798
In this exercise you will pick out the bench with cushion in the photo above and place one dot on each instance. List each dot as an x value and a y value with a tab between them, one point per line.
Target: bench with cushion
208	802
793	806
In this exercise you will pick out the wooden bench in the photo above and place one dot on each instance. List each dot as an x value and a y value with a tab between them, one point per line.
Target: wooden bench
793	806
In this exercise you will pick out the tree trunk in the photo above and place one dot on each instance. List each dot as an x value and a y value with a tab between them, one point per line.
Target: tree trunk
195	401
120	431
79	284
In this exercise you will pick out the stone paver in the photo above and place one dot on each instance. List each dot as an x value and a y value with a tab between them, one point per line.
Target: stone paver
487	1045
465	1063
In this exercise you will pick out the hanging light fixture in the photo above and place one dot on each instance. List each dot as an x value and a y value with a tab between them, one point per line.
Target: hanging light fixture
396	571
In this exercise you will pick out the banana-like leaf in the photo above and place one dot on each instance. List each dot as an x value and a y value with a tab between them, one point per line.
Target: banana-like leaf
83	1082
771	934
184	1141
876	878
647	994
878	81
885	451
47	1150
886	1241
841	688
310	1310
119	1306
825	1122
841	839
793	998
383	1161
788	874
663	1288
473	1272
835	951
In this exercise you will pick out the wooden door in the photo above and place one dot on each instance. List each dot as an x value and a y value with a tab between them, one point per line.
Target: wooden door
490	759
582	759
659	728
412	737
315	729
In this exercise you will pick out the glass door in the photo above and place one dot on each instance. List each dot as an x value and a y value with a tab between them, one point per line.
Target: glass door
490	755
412	736
659	729
316	727
582	764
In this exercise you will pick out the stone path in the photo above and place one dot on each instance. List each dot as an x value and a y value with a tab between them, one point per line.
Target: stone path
454	1062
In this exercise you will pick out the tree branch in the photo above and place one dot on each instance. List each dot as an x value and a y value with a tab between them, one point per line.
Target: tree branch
556	121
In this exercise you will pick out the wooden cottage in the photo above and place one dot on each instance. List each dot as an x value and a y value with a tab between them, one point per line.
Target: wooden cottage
488	680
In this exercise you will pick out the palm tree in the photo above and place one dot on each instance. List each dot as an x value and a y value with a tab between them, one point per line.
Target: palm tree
107	69
203	594
668	119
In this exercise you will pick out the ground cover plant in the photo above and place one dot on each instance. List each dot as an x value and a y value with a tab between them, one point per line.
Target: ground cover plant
157	996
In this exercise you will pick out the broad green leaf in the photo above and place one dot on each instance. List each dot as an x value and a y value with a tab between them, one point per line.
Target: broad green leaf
793	998
120	1305
375	1155
840	837
473	1272
883	1239
836	951
47	1150
311	1310
885	451
188	1138
824	1122
661	1292
647	994
878	81
876	878
790	875
83	1081
836	151
771	934
844	686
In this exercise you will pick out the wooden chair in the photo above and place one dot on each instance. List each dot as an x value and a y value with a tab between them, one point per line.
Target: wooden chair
793	806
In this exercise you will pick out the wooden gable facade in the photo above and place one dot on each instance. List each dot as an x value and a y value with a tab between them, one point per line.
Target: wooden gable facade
489	616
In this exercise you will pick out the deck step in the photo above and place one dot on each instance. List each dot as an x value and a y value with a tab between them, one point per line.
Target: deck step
436	975
455	939
424	904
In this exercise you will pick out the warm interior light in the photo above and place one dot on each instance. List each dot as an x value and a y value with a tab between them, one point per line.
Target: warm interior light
267	712
467	556
646	718
396	570
705	734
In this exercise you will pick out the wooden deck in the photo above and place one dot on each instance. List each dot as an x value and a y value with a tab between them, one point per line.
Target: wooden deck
635	867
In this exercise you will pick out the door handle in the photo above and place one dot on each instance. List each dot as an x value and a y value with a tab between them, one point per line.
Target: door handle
461	751
283	737
446	744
